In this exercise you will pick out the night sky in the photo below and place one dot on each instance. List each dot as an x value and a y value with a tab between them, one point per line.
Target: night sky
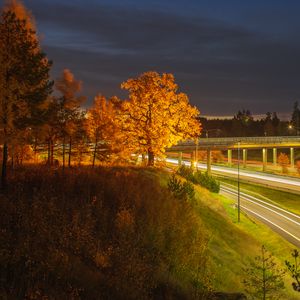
225	54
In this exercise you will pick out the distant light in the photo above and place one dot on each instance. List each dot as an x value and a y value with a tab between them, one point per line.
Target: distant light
195	164
290	126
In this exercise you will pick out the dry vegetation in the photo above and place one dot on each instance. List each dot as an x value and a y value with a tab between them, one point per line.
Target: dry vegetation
98	234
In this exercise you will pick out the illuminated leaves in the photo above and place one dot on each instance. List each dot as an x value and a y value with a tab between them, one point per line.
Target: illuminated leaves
283	161
156	115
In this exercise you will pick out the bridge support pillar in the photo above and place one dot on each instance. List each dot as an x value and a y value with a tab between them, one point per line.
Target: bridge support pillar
208	162
275	156
179	158
265	158
229	157
292	157
192	158
245	158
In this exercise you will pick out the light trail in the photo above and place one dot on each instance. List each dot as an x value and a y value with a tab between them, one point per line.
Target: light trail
272	223
284	222
256	201
267	177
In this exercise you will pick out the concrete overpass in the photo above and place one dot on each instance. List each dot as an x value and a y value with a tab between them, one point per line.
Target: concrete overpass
238	143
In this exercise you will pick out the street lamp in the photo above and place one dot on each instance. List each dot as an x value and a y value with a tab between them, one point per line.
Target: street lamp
291	127
238	181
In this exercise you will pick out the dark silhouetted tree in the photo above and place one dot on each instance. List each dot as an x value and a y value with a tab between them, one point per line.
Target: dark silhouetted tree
24	79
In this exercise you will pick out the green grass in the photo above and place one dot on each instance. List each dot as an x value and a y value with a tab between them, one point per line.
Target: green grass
285	200
232	245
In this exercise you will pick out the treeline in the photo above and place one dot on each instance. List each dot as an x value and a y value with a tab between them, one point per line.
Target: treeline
244	124
35	120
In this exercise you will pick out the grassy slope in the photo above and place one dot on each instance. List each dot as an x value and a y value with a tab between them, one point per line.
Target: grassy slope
286	200
232	245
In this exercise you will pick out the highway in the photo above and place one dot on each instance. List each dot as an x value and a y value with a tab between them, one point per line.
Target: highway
275	181
283	222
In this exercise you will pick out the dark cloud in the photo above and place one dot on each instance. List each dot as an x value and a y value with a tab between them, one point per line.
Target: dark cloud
222	67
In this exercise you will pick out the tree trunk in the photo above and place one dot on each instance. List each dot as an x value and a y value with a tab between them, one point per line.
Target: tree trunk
52	153
70	152
150	158
12	157
49	152
35	150
4	167
95	151
64	151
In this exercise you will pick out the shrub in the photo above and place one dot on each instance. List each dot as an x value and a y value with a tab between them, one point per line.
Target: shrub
182	191
186	172
200	178
207	181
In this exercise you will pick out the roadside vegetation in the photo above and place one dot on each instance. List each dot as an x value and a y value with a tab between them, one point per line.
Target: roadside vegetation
197	177
99	234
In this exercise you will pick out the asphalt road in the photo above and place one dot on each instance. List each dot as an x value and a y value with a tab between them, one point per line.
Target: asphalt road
274	181
283	222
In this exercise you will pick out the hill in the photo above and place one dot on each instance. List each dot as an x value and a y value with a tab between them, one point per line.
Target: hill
110	233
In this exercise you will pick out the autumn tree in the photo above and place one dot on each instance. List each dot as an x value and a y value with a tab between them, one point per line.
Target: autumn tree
24	79
283	161
298	166
68	108
21	13
51	130
100	123
157	116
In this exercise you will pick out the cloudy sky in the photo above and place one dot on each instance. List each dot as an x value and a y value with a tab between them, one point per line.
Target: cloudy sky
225	54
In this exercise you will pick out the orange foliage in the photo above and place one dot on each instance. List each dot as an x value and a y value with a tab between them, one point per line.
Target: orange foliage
298	166
21	13
283	161
157	116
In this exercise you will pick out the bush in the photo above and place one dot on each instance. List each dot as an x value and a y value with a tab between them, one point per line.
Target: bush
186	172
207	181
200	178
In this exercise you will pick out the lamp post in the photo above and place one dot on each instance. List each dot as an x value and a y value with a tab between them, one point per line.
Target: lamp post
291	127
196	154
238	181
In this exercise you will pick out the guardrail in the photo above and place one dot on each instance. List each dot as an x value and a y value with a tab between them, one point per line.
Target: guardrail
242	141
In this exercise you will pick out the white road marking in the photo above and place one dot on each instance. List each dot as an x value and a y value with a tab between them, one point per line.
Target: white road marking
264	218
245	198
